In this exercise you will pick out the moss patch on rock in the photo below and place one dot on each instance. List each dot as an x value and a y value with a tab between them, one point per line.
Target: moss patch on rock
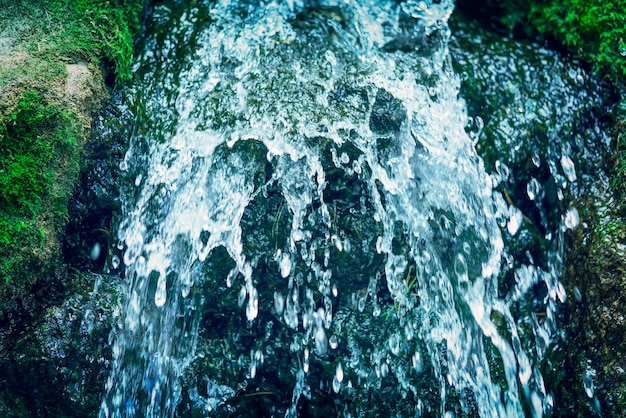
38	160
590	30
47	32
54	58
54	55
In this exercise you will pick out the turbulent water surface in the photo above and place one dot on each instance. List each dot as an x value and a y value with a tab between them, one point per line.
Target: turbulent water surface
308	229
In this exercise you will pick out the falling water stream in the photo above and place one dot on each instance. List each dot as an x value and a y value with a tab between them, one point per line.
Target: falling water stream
307	221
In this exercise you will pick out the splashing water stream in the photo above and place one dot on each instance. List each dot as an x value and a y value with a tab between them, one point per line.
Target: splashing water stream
308	172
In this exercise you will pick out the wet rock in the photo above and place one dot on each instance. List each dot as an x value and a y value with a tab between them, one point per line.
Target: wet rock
388	114
58	367
540	115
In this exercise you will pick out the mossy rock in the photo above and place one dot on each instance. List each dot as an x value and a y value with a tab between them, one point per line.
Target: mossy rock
53	62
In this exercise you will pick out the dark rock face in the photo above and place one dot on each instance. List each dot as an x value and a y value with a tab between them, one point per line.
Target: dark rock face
89	235
58	367
54	356
534	107
54	348
388	114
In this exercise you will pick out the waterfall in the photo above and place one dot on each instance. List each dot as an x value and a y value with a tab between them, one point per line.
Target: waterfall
305	210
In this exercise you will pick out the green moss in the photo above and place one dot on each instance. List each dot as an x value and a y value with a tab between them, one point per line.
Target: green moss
38	155
92	30
40	137
592	30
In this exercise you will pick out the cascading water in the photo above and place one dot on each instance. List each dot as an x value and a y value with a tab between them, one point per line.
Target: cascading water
308	222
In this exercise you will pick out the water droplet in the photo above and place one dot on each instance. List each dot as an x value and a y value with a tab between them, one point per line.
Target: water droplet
321	344
394	344
291	314
384	369
577	294
252	310
460	268
339	372
417	362
279	303
115	262
515	221
332	341
536	160
568	168
533	188
336	385
502	170
571	218
285	265
305	363
161	292
241	297
95	251
588	383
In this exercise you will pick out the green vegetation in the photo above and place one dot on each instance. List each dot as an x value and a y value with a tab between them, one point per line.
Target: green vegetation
91	30
40	137
592	30
39	146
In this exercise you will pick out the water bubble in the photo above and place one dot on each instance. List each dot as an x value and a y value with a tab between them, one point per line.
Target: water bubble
115	262
332	341
502	170
568	168
536	160
533	188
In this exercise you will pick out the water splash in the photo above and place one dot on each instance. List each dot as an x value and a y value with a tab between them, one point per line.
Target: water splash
308	162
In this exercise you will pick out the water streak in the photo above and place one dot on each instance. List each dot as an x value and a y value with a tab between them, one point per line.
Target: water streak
310	158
